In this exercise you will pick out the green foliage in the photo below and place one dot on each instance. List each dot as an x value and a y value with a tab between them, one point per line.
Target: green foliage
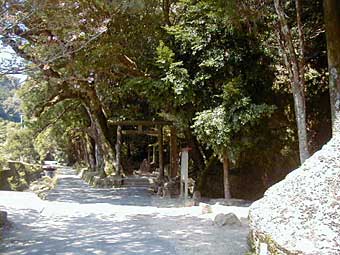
176	75
45	144
214	70
229	128
217	68
6	127
19	146
210	127
9	101
165	55
208	51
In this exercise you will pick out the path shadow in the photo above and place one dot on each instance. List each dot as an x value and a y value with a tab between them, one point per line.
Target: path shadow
93	234
103	235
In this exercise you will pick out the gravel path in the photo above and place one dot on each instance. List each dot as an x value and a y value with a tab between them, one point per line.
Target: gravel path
78	219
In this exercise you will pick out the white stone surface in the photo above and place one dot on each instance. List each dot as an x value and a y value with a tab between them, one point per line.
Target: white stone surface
302	212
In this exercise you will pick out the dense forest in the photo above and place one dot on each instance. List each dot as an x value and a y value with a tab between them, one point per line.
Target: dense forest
244	82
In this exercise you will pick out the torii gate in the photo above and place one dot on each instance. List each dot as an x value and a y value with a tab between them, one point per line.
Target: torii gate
154	128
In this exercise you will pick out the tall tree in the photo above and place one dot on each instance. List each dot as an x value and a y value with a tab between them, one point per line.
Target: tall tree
222	127
84	50
295	65
332	22
212	71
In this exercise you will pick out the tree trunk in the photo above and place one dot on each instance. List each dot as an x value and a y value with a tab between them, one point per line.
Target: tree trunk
166	11
105	155
173	153
295	67
332	22
106	152
84	149
227	194
300	115
99	158
91	152
301	100
105	134
195	153
298	6
161	153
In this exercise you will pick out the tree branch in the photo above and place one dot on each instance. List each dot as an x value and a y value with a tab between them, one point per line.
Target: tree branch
66	110
55	99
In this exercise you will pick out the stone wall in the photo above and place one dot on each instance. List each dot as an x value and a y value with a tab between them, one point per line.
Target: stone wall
93	179
3	222
18	175
301	214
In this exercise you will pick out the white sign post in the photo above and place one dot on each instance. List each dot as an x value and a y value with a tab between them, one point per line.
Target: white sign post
184	172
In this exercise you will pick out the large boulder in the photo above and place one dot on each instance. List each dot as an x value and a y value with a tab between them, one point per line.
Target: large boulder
301	214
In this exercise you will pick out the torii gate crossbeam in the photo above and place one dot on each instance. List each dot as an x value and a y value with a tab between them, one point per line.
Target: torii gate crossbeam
158	132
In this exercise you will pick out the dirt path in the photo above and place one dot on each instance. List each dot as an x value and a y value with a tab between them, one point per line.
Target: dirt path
80	220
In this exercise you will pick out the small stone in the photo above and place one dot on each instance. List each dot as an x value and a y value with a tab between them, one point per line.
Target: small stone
230	219
205	208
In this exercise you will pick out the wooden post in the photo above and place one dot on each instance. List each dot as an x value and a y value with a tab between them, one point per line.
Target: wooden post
149	154
118	147
184	172
161	155
173	153
154	153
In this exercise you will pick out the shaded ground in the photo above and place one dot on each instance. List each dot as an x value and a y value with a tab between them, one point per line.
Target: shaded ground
80	220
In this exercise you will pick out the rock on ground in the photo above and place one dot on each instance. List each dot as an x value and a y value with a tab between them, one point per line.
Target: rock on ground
301	214
228	219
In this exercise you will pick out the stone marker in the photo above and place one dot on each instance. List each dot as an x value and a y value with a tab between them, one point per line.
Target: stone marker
229	219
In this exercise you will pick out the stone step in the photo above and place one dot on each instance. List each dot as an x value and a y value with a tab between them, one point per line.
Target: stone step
137	182
136	186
